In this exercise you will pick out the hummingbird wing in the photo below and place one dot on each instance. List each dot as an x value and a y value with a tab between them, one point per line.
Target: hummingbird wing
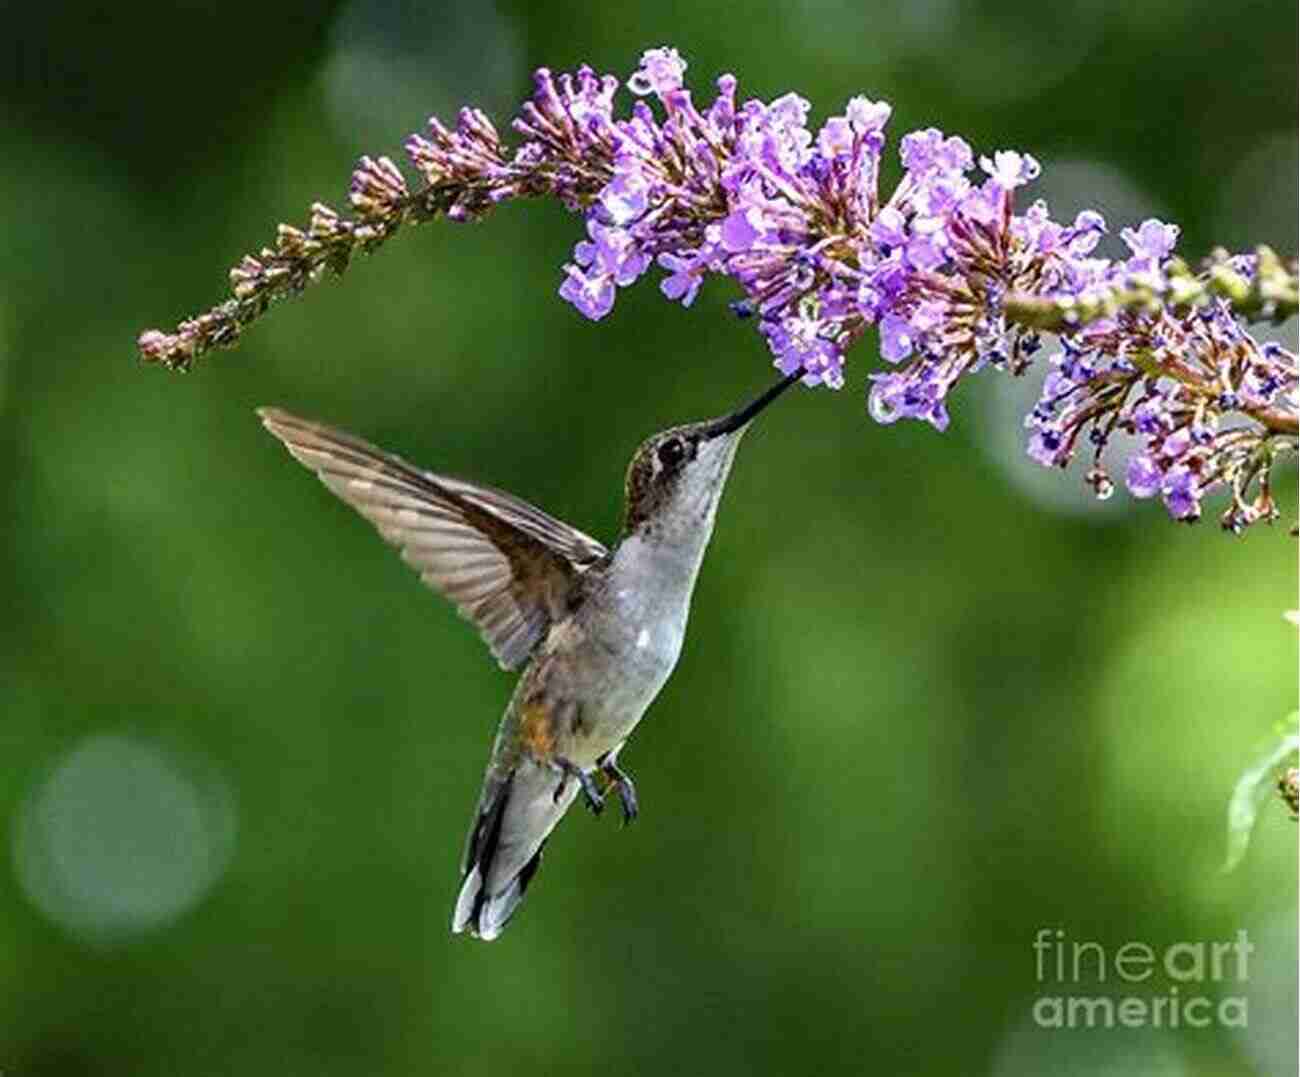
509	567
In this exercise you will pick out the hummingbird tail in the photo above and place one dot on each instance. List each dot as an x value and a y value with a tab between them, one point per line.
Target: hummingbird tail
515	817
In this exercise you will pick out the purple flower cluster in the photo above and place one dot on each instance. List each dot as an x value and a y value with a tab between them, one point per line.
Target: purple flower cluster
943	267
1181	382
796	219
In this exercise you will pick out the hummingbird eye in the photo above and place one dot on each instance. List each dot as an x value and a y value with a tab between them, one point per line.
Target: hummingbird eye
671	453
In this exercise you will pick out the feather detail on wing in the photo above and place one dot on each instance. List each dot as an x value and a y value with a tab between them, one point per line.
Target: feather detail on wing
509	567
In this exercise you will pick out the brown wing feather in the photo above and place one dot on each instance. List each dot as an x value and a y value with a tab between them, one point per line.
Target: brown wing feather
509	567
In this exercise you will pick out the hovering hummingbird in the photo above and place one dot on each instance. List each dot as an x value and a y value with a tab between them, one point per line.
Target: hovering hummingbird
600	630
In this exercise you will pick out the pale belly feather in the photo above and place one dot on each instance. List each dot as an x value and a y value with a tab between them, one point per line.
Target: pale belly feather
625	658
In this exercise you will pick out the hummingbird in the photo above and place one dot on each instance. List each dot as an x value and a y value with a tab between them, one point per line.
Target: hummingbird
596	631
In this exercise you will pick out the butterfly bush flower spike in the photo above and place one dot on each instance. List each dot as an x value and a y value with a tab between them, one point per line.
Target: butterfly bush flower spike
955	271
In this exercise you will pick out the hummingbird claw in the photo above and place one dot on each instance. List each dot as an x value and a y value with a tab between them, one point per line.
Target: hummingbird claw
592	795
622	782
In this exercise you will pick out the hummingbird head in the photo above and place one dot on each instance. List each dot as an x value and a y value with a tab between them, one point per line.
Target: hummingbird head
676	478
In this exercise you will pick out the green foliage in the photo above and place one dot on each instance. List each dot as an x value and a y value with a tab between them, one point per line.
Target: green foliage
1257	783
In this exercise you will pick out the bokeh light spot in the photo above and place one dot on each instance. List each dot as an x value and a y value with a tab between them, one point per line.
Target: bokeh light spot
121	838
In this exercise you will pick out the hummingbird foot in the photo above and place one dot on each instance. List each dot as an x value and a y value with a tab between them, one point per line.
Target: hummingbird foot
622	782
592	795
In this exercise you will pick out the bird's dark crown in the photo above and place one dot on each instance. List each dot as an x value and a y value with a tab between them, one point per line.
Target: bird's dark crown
656	468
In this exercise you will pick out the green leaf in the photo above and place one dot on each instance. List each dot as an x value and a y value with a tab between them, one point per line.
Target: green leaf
1251	789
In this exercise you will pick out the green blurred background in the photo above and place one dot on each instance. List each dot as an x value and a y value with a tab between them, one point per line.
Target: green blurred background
932	699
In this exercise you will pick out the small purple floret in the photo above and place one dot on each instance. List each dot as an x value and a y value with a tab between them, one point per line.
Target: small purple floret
1045	446
1143	477
1182	494
660	72
1009	169
591	294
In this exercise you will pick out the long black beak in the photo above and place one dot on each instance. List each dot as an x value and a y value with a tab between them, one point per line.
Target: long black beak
729	423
